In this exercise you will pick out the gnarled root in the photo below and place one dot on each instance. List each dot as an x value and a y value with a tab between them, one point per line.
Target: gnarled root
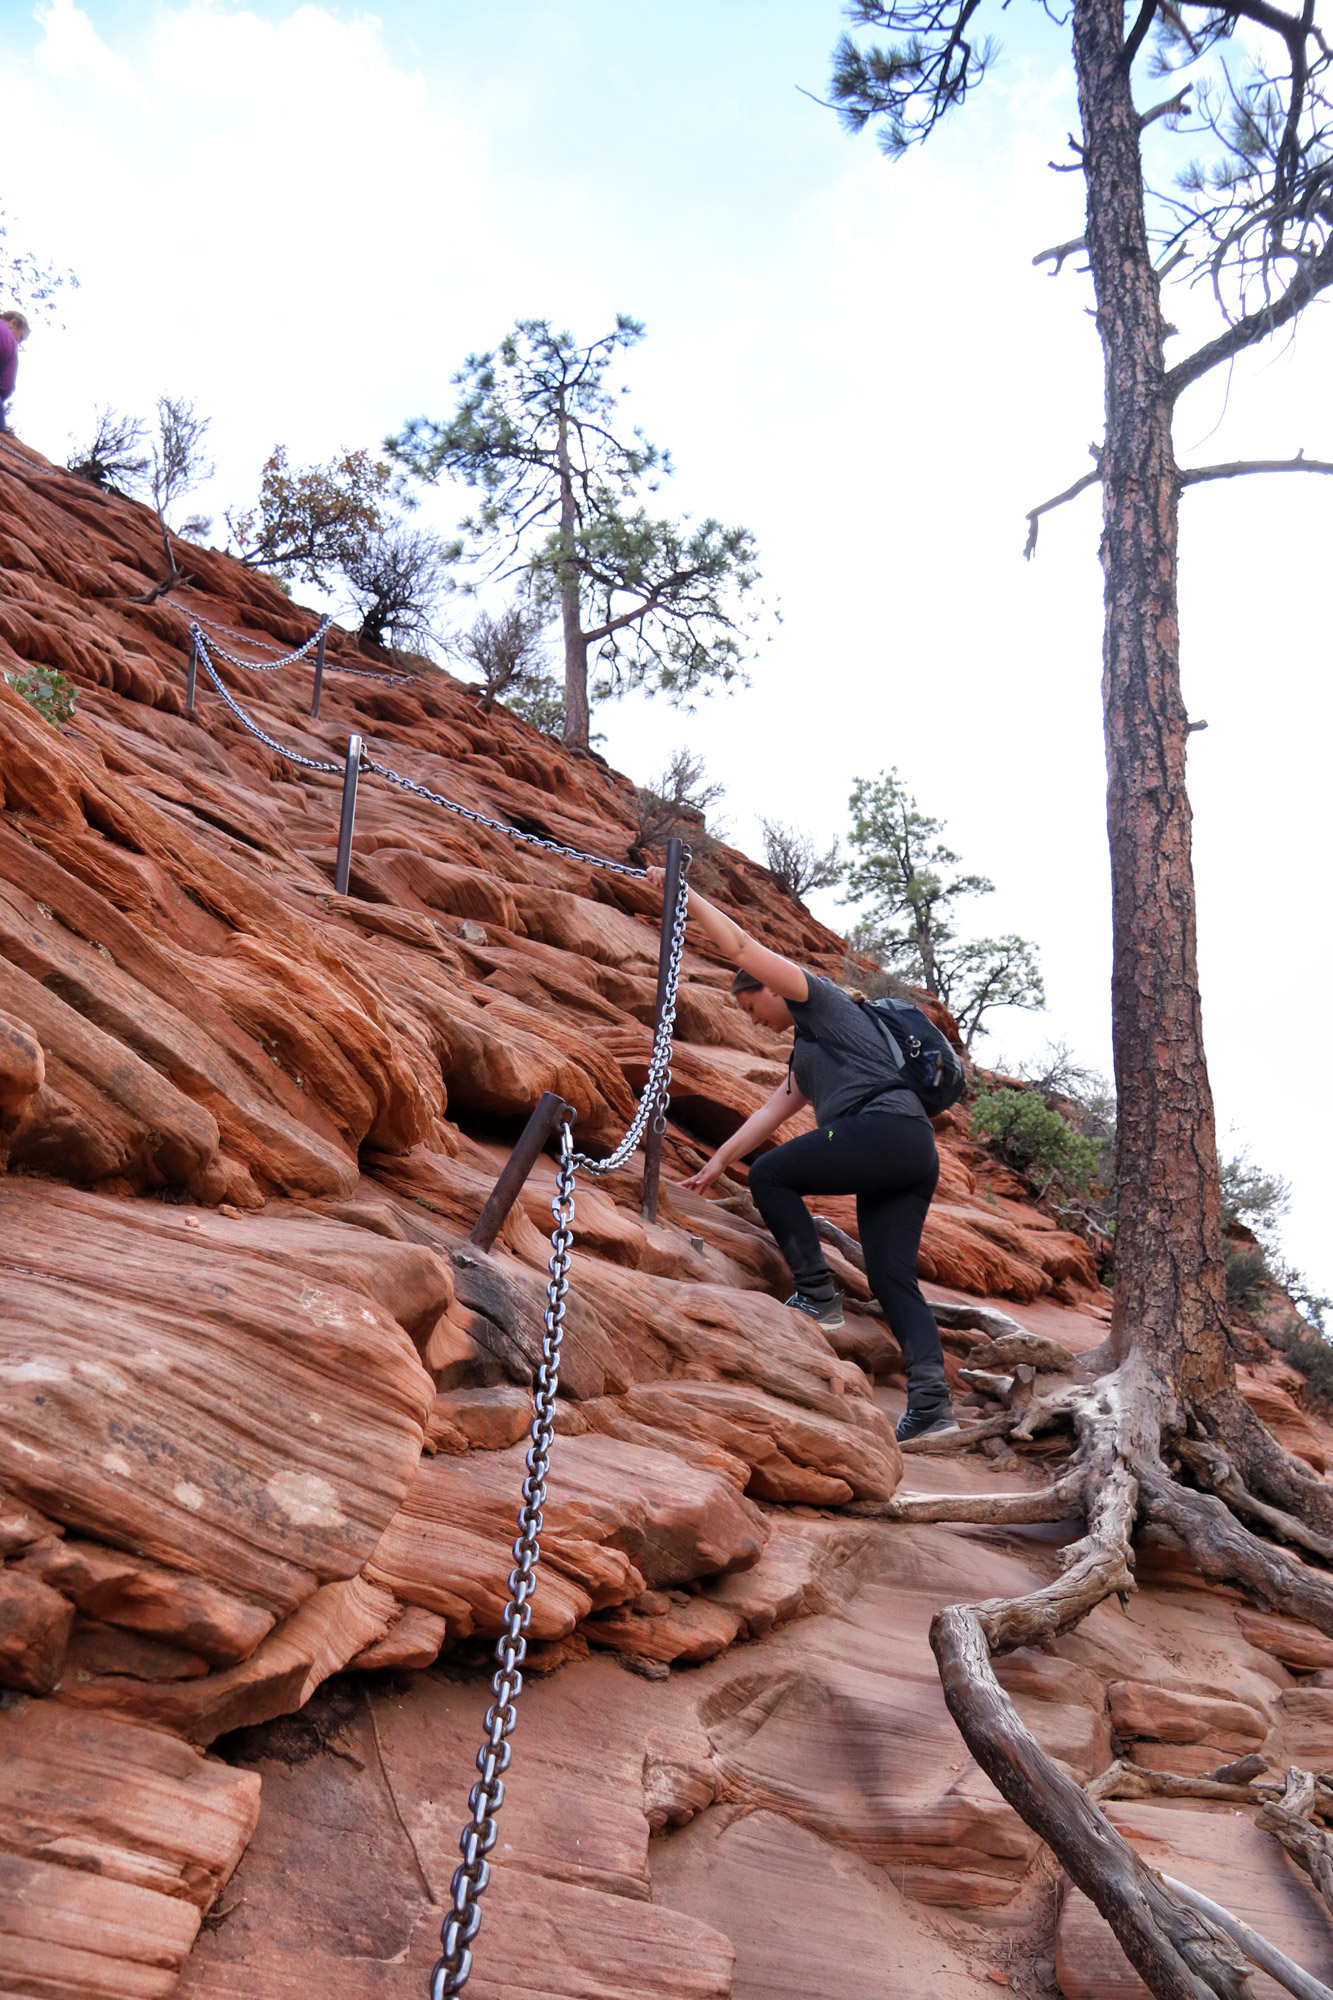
1290	1819
1226	1552
1179	1954
1177	1949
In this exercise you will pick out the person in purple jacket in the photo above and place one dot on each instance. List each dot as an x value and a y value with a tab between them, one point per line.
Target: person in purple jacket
14	330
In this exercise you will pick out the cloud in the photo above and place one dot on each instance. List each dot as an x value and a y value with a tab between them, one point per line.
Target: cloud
71	50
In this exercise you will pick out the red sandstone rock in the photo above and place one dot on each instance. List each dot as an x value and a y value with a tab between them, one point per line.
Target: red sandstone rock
140	1596
256	1428
1180	1715
1295	1644
35	1624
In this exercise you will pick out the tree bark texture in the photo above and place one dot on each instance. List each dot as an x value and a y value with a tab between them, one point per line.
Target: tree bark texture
1170	1288
577	723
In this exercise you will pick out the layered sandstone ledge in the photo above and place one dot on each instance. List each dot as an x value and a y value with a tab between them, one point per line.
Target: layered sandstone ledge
262	1410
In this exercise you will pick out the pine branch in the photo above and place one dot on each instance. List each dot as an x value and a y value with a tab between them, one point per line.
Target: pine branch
1236	468
1313	277
1070	493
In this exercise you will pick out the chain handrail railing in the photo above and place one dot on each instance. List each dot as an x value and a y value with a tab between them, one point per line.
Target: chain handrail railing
265	646
498	825
393	777
261	666
459	1930
248	721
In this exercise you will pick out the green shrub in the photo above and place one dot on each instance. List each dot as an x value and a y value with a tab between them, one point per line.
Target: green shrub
1247	1271
1035	1141
47	691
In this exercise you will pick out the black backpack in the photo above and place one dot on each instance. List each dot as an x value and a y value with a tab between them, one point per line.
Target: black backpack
925	1059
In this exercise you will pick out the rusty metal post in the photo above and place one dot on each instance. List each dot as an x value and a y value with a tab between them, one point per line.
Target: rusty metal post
347	824
652	1144
191	671
551	1111
319	675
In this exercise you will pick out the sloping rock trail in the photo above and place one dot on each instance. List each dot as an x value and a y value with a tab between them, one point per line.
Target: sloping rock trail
262	1411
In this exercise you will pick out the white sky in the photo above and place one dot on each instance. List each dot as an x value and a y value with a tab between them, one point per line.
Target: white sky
304	217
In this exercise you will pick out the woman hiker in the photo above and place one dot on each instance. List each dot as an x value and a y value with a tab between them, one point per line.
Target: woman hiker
873	1140
14	330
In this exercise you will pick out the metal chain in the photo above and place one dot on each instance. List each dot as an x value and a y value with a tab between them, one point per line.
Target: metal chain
248	721
38	471
498	825
487	1795
459	1930
265	667
656	1094
394	777
260	666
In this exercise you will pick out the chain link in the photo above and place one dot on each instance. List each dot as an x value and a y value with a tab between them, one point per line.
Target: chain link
248	721
259	666
264	646
656	1094
459	1930
498	825
487	1795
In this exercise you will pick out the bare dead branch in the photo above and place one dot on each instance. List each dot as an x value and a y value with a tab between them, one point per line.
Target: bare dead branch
1070	493
1060	251
1312	277
1289	1819
1195	475
1131	1781
1168	109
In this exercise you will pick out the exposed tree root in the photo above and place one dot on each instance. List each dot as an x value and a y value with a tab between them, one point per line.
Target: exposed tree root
940	1444
1213	1469
1268	1471
1226	1552
1290	1820
1256	1948
1131	1781
1179	1943
1061	1502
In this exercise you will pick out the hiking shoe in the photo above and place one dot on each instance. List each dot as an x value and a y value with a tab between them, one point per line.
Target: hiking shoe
925	1423
824	1312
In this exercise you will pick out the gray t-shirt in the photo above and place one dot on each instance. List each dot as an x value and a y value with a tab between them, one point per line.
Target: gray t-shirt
841	1061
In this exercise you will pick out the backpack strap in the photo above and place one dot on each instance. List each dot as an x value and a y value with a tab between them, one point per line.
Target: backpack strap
899	1061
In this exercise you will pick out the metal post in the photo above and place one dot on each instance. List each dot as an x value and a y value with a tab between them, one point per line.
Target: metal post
189	678
652	1144
347	823
319	675
551	1111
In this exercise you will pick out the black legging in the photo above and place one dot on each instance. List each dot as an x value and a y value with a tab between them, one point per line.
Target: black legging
890	1164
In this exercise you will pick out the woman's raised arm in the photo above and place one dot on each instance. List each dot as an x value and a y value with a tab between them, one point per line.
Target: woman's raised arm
770	968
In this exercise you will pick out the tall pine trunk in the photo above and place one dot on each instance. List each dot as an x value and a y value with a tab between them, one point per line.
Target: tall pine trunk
571	619
1169	1276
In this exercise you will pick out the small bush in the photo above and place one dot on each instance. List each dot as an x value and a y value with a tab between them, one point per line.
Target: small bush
1312	1354
47	691
1035	1141
540	701
795	862
1247	1274
675	805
